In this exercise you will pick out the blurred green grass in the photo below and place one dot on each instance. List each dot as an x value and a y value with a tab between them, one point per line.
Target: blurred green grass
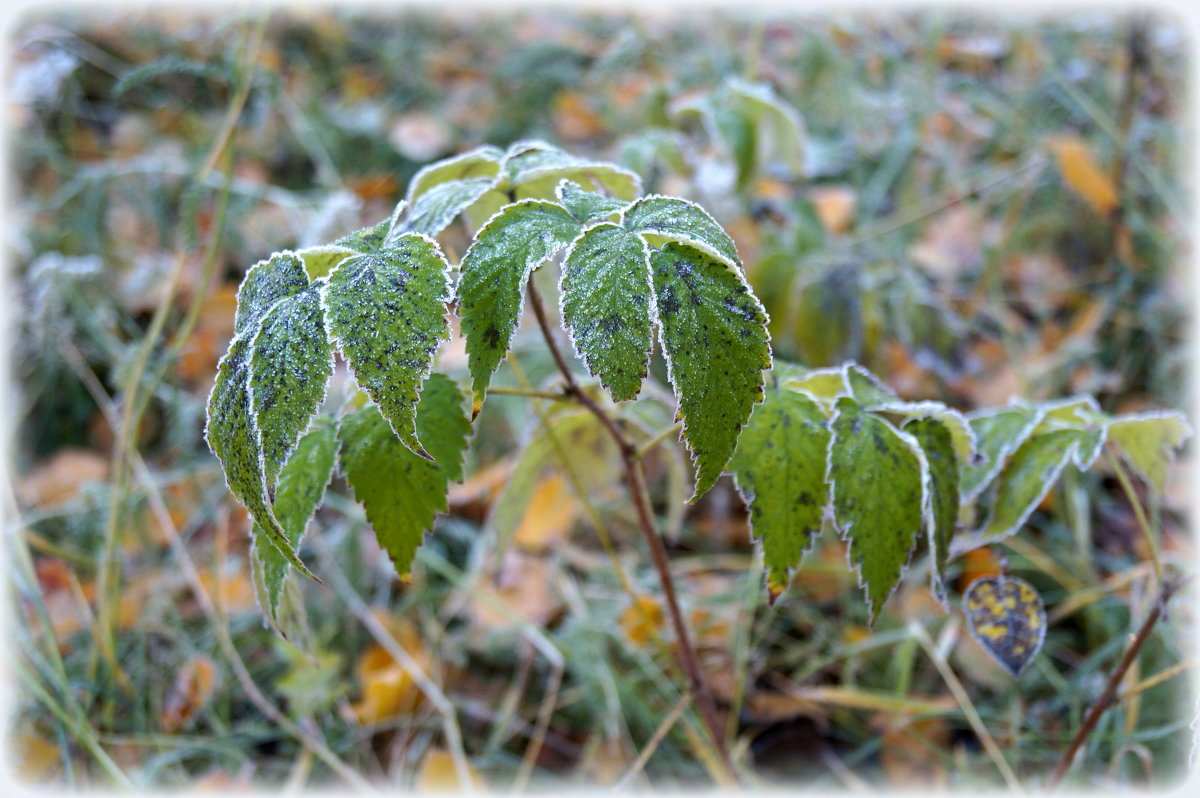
966	269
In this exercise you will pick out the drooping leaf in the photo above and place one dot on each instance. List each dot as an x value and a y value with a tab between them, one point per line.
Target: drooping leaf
495	272
586	206
779	469
714	339
533	169
998	433
1148	443
606	306
675	219
962	437
876	476
290	365
936	440
386	312
401	492
231	436
436	208
779	126
1026	479
267	282
1006	617
300	492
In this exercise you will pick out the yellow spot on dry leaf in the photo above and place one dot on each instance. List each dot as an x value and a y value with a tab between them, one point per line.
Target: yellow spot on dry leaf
1082	175
642	619
438	775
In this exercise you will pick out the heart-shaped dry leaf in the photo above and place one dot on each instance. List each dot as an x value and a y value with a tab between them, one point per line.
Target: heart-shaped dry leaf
1005	615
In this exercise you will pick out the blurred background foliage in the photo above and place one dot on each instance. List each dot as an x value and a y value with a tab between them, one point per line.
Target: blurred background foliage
974	207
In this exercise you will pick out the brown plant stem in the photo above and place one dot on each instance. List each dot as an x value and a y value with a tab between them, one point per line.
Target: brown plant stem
1108	697
687	659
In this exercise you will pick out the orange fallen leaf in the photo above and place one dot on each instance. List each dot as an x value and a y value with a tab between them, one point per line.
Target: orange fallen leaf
61	478
1082	175
191	693
574	118
835	206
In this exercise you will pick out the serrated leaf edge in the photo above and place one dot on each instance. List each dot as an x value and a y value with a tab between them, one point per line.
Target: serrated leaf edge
678	238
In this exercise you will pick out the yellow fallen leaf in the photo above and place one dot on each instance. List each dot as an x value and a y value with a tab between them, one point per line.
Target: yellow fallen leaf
1081	174
549	515
438	775
36	758
387	689
59	479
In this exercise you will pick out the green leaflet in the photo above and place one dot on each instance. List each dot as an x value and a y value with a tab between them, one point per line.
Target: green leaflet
231	436
675	219
1083	414
877	477
402	492
290	365
780	128
997	435
962	437
936	440
867	389
386	311
433	210
606	306
480	162
714	339
586	206
1148	443
779	469
301	490
495	272
267	282
367	241
533	169
1026	479
320	261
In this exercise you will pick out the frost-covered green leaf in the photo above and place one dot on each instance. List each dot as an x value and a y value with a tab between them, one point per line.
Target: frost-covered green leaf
367	241
779	127
1026	479
436	208
480	162
386	312
586	206
495	272
998	433
606	306
290	365
533	169
867	389
1148	443
937	442
267	282
779	469
232	438
675	219
301	490
824	385
876	477
1079	413
320	261
401	492
962	437
714	339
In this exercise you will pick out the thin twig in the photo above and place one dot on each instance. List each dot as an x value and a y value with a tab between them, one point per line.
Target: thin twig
687	658
1108	697
655	740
